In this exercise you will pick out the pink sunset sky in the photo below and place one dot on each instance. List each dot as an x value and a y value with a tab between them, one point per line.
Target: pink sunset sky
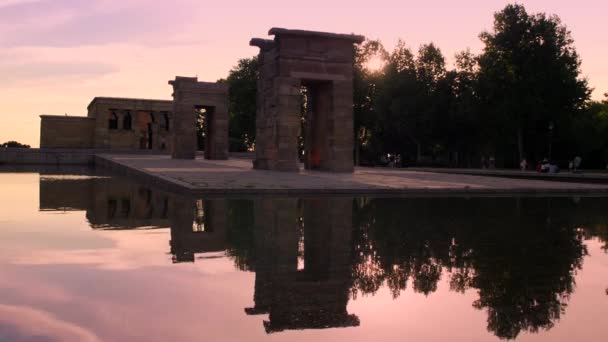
56	55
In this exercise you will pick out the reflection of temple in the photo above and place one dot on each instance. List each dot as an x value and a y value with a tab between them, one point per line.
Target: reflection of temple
197	226
312	294
521	255
109	203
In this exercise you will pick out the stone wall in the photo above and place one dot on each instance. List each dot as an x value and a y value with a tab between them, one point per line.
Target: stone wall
58	131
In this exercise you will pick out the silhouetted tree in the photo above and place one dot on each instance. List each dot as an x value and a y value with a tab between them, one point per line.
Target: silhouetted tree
365	97
242	83
529	79
13	144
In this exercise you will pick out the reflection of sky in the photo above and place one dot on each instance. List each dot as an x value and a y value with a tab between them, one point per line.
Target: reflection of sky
68	51
75	284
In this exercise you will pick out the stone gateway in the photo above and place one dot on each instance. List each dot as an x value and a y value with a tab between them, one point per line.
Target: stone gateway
191	98
319	65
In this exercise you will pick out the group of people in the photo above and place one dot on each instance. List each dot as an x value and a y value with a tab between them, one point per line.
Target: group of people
390	160
547	166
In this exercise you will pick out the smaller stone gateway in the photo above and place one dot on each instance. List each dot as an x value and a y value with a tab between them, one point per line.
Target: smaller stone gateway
191	98
317	66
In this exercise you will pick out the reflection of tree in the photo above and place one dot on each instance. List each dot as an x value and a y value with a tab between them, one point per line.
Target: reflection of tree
391	246
240	234
525	271
600	232
521	255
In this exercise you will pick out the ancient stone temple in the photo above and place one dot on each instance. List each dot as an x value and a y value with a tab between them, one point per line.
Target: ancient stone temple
311	72
192	98
112	123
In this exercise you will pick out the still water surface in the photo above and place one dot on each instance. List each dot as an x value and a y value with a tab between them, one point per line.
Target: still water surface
105	259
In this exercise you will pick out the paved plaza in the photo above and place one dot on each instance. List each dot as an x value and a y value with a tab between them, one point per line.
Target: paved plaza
237	176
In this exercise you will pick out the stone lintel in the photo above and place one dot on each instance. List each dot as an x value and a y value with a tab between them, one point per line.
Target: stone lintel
183	79
121	100
58	116
191	84
314	76
263	44
277	31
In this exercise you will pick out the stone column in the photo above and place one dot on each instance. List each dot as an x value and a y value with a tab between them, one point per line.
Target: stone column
218	123
184	123
287	102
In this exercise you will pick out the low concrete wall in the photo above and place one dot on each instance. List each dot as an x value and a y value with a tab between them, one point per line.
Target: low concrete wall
57	156
73	156
46	156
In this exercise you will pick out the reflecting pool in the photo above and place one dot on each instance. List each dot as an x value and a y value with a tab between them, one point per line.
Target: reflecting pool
87	257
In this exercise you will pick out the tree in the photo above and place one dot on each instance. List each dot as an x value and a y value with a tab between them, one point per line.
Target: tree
365	96
587	135
397	101
529	79
413	100
242	83
462	132
14	144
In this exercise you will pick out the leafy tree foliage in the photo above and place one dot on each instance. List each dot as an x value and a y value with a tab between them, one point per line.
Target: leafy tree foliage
13	144
365	89
530	79
242	82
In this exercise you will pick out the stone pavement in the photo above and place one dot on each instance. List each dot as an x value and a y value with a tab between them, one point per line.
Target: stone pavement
236	176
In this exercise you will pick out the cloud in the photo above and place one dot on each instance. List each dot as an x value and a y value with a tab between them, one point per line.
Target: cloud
53	71
64	23
18	323
8	3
